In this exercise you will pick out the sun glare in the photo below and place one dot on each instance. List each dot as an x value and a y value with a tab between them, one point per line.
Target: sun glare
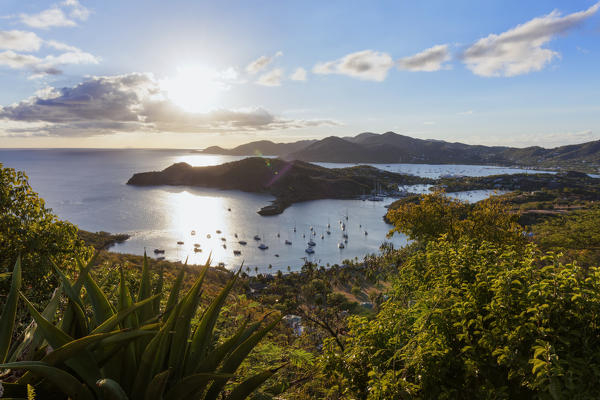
194	88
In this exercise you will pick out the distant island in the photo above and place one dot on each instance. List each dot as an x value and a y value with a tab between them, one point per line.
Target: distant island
391	147
288	181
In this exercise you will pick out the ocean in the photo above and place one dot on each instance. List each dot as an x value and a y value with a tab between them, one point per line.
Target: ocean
88	188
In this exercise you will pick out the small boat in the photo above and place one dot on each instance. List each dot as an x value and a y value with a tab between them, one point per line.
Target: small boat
224	246
223	239
346	241
196	244
366	233
278	235
243	242
208	236
288	242
303	235
197	250
160	258
341	245
276	255
311	228
294	228
322	236
328	232
309	250
311	243
263	246
237	252
256	237
193	233
218	231
159	251
345	236
235	235
229	209
180	242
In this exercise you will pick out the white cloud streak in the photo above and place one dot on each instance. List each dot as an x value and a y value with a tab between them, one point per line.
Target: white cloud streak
65	14
261	63
520	50
431	59
271	78
366	65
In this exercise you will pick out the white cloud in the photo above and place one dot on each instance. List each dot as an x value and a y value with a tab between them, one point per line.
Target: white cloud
125	103
261	63
519	50
299	74
468	112
271	78
431	59
20	41
63	15
53	17
48	65
367	65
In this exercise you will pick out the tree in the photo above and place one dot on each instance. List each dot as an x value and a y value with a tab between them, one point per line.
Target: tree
28	228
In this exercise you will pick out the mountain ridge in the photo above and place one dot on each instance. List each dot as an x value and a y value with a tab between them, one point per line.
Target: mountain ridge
390	147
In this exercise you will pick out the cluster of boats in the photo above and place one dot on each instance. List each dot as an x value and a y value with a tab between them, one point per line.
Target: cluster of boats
310	249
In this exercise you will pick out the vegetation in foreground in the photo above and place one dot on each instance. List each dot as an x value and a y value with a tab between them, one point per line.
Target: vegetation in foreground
476	307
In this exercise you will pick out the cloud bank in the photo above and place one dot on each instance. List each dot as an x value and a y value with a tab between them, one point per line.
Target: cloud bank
125	103
520	50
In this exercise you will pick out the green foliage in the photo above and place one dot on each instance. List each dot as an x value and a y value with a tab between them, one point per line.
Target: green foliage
130	350
474	313
577	234
432	215
29	229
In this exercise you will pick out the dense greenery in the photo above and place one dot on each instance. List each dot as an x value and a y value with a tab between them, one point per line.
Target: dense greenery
134	349
477	306
475	313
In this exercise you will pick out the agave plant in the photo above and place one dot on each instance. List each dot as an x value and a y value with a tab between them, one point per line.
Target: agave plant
134	349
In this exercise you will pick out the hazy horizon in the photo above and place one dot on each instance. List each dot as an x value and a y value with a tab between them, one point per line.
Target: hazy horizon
78	74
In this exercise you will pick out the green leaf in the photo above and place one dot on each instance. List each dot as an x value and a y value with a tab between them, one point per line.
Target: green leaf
111	390
233	361
32	338
203	334
179	342
191	384
116	319
157	386
66	382
247	387
101	307
9	312
145	291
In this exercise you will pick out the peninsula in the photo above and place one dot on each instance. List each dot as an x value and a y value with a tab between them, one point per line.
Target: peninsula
288	181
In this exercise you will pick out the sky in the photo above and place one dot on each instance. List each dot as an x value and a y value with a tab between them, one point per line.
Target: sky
191	74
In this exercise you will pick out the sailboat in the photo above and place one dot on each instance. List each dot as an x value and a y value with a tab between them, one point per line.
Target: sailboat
311	243
309	250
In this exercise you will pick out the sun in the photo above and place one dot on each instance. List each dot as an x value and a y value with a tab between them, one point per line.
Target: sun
195	89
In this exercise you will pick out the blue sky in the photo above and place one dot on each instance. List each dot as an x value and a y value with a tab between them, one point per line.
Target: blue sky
198	73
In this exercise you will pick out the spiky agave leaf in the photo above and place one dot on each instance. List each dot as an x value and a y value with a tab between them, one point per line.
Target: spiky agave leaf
9	312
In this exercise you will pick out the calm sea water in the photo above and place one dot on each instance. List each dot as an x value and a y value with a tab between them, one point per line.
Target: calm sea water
87	187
